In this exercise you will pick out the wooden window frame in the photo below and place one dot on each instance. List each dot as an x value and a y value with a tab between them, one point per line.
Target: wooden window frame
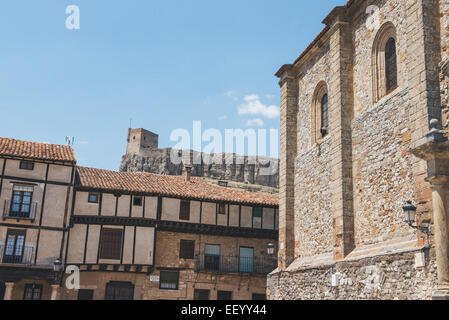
26	165
97	197
184	210
14	258
33	287
187	249
195	291
111	244
139	201
254	212
117	285
21	194
222	208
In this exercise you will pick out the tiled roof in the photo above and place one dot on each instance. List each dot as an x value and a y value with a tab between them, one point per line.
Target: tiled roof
36	150
163	185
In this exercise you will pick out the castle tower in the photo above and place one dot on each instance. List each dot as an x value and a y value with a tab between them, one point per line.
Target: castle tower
141	140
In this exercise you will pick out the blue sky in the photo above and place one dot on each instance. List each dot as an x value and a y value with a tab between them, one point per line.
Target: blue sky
164	64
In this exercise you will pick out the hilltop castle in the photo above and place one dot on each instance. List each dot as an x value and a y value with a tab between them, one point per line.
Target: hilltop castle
143	155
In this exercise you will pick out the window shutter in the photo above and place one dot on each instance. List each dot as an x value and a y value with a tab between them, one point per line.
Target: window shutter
187	249
111	243
184	210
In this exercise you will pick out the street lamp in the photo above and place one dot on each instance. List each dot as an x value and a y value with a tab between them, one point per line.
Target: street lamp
410	218
57	265
270	249
409	213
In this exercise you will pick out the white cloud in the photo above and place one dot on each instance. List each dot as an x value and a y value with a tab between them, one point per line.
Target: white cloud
230	94
223	118
255	123
253	106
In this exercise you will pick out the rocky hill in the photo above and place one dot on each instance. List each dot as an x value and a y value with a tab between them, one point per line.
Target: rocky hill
249	171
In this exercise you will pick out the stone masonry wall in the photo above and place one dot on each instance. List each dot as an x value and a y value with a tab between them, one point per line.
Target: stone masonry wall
383	181
390	277
313	207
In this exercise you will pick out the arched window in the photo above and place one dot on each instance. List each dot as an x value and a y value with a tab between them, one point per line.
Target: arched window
384	62
390	65
324	115
320	113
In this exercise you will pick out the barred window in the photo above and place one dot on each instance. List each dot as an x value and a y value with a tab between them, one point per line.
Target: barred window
391	65
111	243
169	280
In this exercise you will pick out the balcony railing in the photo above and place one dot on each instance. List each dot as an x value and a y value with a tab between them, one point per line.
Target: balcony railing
17	256
9	214
235	264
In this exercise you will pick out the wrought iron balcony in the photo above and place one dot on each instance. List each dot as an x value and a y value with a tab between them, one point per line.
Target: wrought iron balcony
8	213
23	256
235	264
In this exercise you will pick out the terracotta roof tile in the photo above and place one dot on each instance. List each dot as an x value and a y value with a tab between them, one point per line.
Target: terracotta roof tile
174	186
36	150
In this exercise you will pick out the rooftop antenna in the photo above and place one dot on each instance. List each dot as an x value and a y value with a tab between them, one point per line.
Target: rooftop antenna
70	141
130	122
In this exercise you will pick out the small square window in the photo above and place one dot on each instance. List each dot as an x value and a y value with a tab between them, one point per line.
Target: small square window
137	201
26	165
221	208
93	197
257	212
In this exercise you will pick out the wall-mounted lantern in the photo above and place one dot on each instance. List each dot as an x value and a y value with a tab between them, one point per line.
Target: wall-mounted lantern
410	218
270	249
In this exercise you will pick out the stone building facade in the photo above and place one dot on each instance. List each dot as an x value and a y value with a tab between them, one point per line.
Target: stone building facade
354	107
130	235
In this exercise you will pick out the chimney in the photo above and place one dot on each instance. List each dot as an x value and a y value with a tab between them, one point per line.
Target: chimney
187	172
